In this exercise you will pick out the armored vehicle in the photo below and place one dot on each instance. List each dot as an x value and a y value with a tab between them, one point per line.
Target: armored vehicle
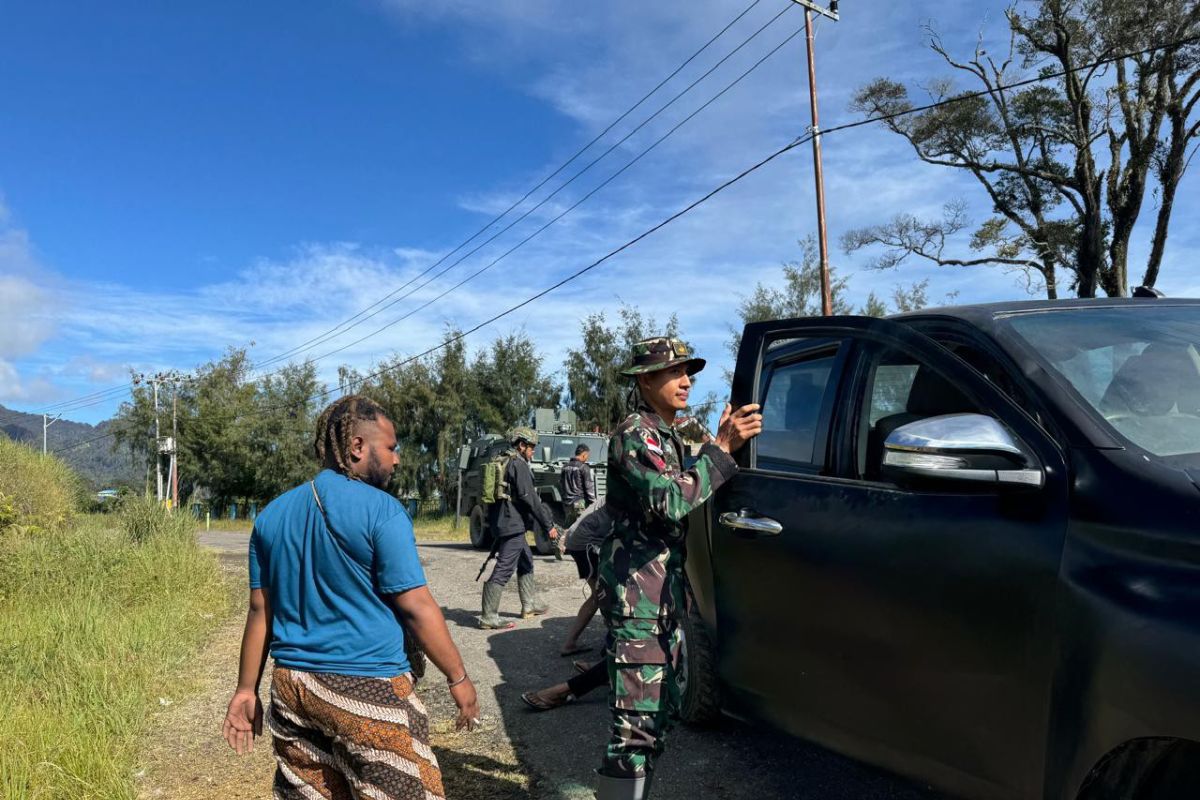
557	440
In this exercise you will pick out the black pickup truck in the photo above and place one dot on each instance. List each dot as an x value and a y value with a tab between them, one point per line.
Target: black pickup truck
966	547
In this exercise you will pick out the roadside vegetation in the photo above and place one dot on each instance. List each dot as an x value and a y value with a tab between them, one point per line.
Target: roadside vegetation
97	614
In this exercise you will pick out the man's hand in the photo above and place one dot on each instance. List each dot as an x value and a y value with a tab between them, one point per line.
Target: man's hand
738	427
468	705
243	720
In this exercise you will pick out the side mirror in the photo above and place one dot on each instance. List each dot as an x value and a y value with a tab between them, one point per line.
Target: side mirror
959	449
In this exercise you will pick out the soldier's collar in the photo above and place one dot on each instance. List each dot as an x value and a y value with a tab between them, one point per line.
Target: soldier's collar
645	410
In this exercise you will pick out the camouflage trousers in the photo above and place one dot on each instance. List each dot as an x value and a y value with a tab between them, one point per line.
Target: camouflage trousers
643	694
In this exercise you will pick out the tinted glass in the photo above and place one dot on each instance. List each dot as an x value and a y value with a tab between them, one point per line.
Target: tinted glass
792	410
562	448
1138	367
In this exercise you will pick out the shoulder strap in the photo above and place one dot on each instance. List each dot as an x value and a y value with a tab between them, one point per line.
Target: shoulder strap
313	485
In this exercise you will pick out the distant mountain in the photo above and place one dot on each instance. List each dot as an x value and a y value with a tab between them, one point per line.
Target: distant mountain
96	461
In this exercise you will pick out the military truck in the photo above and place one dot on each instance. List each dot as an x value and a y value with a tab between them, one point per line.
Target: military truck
557	440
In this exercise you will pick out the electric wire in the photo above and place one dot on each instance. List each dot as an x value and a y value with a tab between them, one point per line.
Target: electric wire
704	199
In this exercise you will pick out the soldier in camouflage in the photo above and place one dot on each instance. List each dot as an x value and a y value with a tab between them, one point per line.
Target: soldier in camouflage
642	587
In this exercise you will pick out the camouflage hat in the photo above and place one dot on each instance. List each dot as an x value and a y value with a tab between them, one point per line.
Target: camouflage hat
661	352
522	434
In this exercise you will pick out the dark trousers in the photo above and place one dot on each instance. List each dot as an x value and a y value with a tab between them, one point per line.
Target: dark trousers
512	555
585	682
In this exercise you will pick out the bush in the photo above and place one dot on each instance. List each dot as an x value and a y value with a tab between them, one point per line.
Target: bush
38	494
92	630
143	519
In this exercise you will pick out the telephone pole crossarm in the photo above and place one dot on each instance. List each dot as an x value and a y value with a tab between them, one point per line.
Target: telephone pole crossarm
831	12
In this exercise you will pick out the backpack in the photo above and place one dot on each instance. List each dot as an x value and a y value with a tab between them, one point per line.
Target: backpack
495	485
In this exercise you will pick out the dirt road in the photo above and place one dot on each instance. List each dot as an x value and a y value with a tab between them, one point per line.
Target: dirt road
517	753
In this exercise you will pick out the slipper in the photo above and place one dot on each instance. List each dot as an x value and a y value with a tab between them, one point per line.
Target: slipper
581	666
574	651
534	701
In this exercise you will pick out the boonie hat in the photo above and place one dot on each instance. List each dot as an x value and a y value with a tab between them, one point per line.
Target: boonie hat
662	352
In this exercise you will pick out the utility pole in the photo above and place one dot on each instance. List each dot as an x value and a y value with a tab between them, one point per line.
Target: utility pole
175	446
157	439
818	173
46	423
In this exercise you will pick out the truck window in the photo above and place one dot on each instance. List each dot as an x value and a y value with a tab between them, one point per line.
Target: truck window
900	390
792	401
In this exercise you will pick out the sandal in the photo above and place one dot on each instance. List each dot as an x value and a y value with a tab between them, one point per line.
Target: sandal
535	701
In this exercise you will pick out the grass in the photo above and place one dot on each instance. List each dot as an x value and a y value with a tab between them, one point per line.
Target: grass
427	527
38	493
93	625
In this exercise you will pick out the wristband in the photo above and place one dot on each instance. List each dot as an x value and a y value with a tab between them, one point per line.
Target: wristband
451	684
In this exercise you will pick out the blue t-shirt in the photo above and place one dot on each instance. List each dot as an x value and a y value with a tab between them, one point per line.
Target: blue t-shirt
327	589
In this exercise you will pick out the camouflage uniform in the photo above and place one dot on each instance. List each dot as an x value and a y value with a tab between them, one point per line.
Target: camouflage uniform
642	586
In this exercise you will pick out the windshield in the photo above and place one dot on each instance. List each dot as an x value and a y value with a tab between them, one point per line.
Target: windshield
562	448
1137	366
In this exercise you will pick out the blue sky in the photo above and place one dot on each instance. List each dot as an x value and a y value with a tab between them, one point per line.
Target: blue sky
177	179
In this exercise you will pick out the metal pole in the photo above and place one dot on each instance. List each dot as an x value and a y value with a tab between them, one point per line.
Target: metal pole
45	425
826	291
157	455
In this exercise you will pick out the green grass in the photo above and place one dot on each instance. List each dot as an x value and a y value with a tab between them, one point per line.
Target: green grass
37	493
440	528
93	625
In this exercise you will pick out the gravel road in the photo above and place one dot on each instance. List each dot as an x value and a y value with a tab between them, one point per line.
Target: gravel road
558	750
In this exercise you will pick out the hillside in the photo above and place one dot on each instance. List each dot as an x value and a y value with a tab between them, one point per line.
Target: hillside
95	461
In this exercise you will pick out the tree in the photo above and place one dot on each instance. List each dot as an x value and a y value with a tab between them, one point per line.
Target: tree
800	296
1065	163
282	430
596	389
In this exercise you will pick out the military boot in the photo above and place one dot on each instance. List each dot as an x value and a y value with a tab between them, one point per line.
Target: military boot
610	787
490	620
531	606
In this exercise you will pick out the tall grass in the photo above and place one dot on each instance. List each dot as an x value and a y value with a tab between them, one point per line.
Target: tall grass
37	493
93	623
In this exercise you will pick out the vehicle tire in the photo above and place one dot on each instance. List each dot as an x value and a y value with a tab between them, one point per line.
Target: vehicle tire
480	538
699	688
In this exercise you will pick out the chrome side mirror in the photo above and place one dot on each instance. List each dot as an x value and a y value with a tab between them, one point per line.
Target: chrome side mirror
960	448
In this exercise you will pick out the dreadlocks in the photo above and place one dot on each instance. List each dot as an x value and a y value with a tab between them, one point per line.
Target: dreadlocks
335	430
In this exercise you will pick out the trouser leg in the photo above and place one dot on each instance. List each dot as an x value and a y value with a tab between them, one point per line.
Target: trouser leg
643	695
508	559
524	557
588	681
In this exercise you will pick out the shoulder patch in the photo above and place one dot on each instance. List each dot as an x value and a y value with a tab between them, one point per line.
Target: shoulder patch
652	440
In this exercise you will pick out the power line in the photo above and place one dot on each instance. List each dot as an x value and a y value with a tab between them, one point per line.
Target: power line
695	204
571	208
526	196
344	327
337	329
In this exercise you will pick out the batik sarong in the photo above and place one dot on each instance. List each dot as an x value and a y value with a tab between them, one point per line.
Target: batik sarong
345	736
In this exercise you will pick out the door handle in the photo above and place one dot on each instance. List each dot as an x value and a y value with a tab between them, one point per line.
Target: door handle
745	520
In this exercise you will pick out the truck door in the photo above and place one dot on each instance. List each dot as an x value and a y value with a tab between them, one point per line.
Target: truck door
909	627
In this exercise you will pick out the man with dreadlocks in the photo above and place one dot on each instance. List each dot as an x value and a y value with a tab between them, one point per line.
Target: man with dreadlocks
334	575
641	588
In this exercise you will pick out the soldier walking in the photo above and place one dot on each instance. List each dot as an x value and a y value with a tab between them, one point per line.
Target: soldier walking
509	519
578	485
642	583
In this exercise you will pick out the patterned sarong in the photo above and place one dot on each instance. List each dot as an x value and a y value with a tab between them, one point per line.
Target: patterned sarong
343	736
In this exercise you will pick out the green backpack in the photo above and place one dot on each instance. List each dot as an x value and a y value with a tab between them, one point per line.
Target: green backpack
495	487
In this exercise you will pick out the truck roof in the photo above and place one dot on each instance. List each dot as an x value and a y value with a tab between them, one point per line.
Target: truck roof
984	315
